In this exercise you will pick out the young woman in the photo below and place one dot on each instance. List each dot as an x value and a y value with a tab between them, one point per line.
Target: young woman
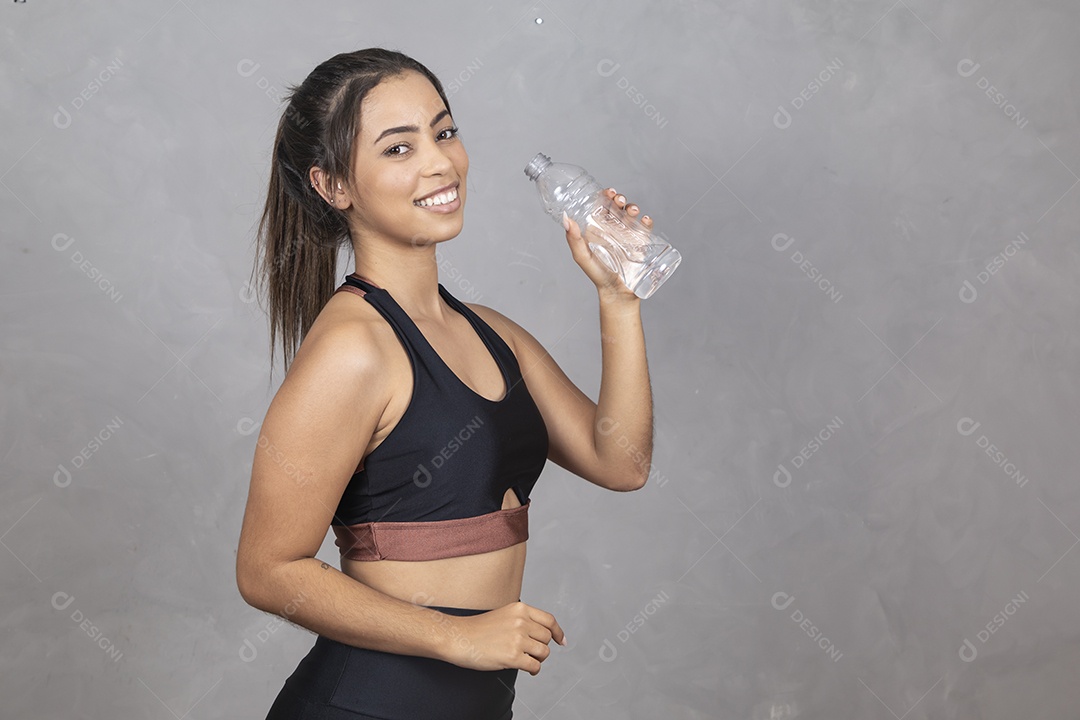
412	424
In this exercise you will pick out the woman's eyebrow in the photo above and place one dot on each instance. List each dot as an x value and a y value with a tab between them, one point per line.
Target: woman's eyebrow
410	128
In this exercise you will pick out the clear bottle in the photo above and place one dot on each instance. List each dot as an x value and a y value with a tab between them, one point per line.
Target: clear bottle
625	245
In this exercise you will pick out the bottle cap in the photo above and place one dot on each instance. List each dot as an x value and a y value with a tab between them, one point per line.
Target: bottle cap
537	165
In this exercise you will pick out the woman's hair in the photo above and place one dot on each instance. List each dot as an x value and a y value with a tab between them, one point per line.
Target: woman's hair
300	233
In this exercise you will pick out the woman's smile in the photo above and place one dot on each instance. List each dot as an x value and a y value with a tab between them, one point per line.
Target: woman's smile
443	203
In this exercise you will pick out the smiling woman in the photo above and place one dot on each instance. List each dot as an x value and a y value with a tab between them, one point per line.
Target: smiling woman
405	422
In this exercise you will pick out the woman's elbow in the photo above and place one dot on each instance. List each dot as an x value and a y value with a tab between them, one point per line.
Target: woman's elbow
247	582
627	482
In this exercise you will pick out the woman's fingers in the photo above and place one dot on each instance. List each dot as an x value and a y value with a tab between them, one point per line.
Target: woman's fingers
548	627
629	208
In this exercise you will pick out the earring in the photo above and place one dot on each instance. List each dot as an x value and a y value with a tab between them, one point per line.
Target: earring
329	201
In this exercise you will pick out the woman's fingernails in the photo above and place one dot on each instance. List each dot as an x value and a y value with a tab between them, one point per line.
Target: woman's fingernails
565	221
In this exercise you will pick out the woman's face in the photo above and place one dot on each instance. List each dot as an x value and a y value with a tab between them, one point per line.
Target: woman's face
408	149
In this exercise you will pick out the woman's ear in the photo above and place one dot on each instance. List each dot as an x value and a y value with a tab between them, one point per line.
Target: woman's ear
319	181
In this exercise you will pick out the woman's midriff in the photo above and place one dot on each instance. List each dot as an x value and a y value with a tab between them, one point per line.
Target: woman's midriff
484	581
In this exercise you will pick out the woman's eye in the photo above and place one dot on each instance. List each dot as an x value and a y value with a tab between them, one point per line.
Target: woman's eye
390	150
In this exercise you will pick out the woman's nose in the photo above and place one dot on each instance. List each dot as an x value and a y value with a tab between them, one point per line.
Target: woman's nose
436	158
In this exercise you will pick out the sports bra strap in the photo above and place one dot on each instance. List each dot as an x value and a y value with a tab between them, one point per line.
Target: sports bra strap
435	539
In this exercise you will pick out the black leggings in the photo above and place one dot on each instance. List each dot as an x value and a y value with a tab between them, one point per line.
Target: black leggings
335	681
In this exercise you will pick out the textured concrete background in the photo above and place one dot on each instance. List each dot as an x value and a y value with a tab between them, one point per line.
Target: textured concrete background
863	501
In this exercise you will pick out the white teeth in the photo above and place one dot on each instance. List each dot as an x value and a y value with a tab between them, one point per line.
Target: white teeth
447	197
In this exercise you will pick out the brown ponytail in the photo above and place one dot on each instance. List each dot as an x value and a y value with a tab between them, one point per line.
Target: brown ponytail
300	234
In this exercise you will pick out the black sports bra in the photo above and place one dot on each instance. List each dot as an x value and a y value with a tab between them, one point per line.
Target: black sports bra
434	486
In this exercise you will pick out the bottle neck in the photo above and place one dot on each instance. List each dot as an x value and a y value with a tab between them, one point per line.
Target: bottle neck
537	165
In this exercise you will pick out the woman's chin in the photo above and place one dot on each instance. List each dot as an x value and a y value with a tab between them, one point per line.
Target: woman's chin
425	238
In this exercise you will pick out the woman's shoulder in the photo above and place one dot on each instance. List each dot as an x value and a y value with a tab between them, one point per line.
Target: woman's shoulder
347	332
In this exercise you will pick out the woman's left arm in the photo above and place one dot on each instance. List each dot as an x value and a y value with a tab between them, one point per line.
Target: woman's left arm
623	427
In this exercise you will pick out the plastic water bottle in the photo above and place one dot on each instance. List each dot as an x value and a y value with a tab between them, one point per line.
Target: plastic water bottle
625	245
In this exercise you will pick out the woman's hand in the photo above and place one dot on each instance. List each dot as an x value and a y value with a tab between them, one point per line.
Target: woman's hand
607	282
512	636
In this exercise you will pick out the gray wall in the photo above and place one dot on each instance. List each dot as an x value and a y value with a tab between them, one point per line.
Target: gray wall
864	499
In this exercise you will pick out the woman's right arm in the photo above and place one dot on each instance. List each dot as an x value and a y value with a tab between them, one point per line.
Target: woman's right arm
314	435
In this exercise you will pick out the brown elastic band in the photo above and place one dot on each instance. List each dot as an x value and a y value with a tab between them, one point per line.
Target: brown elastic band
353	289
435	539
